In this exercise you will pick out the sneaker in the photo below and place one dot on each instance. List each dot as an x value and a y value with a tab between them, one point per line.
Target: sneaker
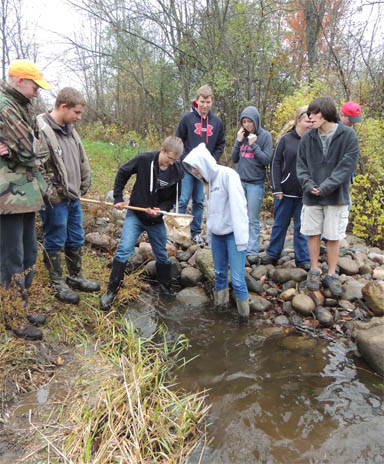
253	259
332	281
306	265
313	279
268	259
198	240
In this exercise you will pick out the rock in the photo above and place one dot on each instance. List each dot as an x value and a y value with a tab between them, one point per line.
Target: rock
183	255
284	275
316	296
345	304
366	269
303	304
101	240
352	290
274	292
378	274
287	308
370	342
190	276
146	251
330	302
374	296
204	261
348	266
118	214
253	284
297	343
288	295
150	269
295	319
193	296
176	268
258	271
136	259
289	284
258	303
109	197
376	258
281	320
171	250
324	316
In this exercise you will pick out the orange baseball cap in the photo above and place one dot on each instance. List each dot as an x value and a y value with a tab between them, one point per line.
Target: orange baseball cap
28	70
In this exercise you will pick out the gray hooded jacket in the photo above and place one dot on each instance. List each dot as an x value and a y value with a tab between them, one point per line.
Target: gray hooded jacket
252	160
226	203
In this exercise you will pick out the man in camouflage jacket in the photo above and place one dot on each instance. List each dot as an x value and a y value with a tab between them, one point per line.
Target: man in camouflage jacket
21	194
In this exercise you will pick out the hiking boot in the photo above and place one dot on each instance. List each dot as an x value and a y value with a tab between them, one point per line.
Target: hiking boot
198	240
115	280
268	259
253	259
75	279
36	318
332	282
313	279
221	299
63	293
306	265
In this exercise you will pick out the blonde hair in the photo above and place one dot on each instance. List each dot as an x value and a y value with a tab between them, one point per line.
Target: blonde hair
204	91
173	144
299	113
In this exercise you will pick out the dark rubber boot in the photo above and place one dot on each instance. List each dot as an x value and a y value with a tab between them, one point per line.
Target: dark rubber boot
115	280
21	328
163	272
75	279
63	292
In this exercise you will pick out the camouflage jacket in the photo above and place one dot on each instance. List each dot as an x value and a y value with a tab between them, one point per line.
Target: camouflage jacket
21	184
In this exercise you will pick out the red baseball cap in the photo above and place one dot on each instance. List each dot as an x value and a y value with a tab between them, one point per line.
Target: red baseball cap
352	110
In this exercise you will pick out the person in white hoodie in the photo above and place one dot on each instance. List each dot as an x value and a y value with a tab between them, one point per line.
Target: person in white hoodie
227	226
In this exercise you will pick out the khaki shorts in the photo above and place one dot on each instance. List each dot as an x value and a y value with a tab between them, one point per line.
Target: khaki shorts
329	221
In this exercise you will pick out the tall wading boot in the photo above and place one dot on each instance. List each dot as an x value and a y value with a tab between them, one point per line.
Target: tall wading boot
75	279
115	280
163	271
221	299
243	309
63	293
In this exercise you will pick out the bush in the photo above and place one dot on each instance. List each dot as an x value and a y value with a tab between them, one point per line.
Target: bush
367	215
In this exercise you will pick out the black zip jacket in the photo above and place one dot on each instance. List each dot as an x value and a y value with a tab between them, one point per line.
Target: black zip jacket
145	192
331	174
283	166
194	129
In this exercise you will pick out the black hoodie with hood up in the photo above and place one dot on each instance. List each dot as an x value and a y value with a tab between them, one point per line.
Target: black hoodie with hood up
193	129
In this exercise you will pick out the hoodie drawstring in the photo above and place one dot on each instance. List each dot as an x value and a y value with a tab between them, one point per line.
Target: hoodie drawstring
206	129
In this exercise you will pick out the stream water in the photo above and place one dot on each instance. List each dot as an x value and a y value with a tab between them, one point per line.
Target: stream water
279	398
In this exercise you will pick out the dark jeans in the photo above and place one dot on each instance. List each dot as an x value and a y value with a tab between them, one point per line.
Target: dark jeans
285	209
192	187
62	224
132	228
18	248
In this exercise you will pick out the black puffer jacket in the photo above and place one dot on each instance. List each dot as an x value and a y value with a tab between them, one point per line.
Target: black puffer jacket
283	166
145	192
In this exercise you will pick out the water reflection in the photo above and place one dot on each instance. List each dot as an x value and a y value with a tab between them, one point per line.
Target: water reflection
279	398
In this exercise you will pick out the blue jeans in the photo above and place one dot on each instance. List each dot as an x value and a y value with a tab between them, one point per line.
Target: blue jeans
132	228
192	187
254	193
285	209
18	249
62	225
224	252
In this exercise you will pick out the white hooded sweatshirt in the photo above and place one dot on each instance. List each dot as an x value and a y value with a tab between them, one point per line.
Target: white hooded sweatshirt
226	203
